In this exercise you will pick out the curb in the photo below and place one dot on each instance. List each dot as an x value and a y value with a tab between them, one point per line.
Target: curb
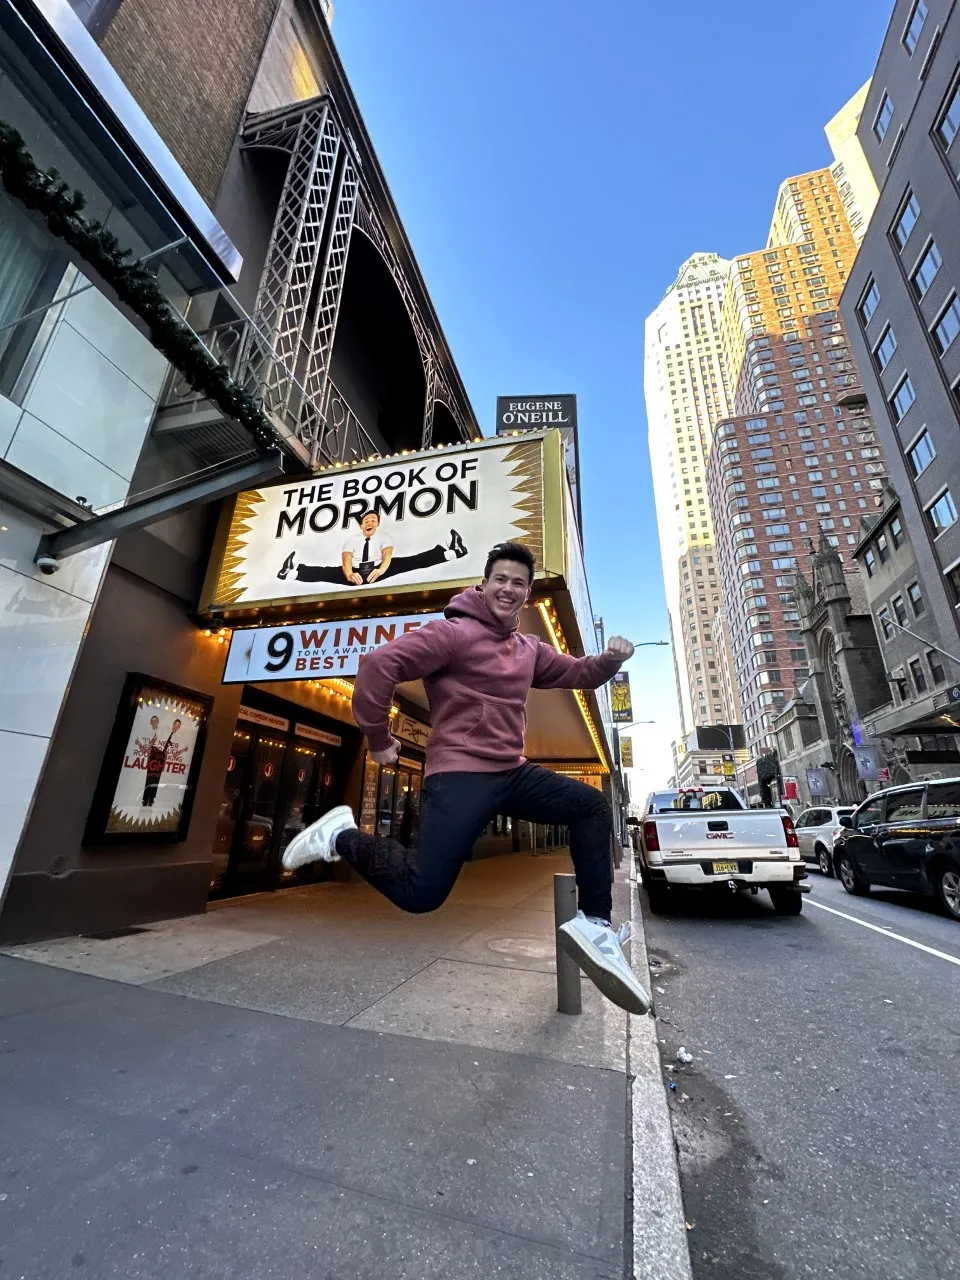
660	1247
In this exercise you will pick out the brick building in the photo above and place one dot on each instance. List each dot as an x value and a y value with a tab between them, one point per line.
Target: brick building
800	457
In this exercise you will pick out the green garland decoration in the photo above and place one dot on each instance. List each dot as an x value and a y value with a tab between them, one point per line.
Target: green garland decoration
134	283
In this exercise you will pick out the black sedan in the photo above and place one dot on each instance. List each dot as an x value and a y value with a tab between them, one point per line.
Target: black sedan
904	838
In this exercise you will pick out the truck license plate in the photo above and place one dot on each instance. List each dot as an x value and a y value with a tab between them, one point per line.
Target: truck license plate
724	868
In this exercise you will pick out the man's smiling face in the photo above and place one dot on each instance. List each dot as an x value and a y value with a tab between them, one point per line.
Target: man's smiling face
507	589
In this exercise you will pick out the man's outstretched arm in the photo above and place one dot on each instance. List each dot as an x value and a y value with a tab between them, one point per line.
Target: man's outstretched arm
411	657
560	671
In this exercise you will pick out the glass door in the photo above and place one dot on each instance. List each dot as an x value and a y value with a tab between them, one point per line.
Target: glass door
298	783
254	837
406	806
231	805
385	798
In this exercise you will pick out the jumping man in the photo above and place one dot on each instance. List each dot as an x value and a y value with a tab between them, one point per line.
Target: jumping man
478	670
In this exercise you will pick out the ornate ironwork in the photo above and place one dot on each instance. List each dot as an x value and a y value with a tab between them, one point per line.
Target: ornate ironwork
320	340
296	244
343	436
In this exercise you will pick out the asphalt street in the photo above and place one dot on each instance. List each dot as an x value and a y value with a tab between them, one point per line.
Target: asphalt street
816	1124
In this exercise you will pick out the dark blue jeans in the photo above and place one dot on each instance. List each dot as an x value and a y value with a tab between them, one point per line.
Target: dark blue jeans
455	809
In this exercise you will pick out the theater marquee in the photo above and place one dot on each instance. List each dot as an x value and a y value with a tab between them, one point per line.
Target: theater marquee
312	651
358	534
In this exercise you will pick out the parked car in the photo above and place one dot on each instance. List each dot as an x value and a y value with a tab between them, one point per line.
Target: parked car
904	838
706	838
815	830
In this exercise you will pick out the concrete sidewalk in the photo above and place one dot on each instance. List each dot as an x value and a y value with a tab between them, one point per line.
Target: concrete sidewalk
311	1084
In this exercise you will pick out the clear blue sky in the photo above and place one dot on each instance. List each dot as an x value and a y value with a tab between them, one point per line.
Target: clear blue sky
553	164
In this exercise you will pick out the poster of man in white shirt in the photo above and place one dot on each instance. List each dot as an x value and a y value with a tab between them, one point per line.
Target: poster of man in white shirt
367	556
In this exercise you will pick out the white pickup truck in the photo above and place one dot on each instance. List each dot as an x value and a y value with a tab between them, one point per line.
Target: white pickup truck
707	838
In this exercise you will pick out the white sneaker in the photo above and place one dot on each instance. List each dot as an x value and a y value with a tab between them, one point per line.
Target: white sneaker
597	950
318	842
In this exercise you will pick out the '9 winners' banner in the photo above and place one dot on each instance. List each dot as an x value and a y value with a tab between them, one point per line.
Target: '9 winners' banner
374	530
620	698
626	752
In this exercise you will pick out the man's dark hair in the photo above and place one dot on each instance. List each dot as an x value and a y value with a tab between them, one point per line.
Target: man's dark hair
371	512
513	551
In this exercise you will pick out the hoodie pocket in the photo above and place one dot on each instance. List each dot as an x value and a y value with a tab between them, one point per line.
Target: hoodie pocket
497	731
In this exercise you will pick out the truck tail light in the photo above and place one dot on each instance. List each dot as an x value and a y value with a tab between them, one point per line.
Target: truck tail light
650	837
791	835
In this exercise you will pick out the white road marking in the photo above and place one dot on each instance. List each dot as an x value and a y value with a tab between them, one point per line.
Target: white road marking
887	933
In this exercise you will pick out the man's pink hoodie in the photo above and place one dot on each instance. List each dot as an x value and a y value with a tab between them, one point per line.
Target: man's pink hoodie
477	673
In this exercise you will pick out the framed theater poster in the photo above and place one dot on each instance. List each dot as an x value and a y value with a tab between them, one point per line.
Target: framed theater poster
150	767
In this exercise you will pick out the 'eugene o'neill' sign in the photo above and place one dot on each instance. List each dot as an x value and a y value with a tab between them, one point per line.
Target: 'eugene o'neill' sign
535	413
538	413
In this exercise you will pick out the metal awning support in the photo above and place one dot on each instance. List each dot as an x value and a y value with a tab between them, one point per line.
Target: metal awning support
96	529
39	500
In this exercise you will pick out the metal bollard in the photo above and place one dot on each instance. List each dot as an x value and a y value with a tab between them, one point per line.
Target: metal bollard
568	973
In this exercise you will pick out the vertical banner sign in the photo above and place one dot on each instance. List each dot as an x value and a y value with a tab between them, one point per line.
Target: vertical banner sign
620	698
867	763
626	752
816	782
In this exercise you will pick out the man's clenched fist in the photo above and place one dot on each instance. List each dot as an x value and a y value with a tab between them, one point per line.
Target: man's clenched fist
619	648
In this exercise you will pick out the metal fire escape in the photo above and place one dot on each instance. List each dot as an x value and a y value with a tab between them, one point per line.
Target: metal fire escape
282	352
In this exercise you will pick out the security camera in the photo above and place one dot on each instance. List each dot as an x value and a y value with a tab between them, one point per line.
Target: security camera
47	564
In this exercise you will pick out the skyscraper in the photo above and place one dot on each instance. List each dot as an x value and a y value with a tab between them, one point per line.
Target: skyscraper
686	391
851	169
799	457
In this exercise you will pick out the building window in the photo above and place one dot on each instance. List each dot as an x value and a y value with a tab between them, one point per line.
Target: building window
883	550
948	326
907	220
883	617
953	582
936	667
942	513
919	679
896	532
902	398
899	609
949	125
869	562
885	348
926	270
900	680
916	600
921	453
869	302
883	117
911	34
